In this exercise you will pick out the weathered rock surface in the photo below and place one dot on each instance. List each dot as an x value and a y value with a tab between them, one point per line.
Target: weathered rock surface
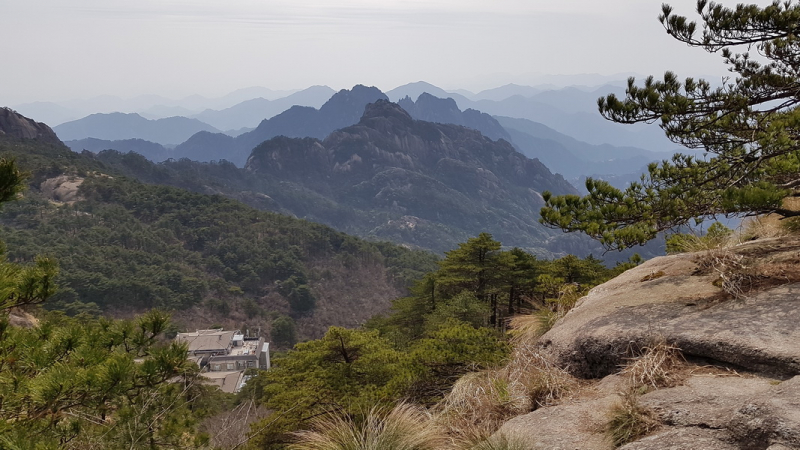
18	126
575	424
740	386
708	412
671	298
752	413
690	438
63	188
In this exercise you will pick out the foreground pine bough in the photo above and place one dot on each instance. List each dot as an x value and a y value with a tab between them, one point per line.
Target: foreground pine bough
750	127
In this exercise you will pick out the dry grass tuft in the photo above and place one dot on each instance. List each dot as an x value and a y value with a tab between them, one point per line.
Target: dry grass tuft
652	276
501	442
656	367
405	427
545	382
481	402
734	278
628	421
717	236
530	327
761	227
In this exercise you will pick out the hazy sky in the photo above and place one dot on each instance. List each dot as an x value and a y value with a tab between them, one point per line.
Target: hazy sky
60	49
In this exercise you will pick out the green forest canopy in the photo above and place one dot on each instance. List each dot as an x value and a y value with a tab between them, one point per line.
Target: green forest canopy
130	246
66	383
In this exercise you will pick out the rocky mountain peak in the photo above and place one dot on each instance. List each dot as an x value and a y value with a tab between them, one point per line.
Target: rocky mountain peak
445	110
16	125
347	99
384	109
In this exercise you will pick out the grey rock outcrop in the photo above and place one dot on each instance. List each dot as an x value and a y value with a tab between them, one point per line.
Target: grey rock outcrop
711	410
16	125
675	299
739	388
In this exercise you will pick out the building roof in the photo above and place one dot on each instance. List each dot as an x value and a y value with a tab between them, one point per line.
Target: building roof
207	340
229	382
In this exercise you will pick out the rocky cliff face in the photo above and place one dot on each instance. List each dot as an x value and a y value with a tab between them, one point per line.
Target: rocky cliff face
733	315
424	174
16	125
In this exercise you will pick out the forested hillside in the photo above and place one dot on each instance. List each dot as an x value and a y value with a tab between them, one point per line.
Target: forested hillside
388	177
124	247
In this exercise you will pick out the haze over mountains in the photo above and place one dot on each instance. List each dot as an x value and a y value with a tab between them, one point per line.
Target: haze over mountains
388	177
158	107
564	154
409	172
569	110
119	126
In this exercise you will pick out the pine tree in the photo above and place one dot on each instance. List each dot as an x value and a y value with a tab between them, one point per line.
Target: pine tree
85	383
749	128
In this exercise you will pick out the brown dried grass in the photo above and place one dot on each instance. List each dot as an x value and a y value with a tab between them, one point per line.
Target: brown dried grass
658	366
481	402
405	427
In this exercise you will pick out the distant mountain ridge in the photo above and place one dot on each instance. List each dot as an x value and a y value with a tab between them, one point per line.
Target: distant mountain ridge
249	113
388	177
423	177
120	126
568	110
445	110
343	109
150	150
573	158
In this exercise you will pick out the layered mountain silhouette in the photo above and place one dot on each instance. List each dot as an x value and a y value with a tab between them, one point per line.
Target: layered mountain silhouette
573	158
389	177
422	183
562	154
249	113
150	150
445	110
569	110
120	126
342	109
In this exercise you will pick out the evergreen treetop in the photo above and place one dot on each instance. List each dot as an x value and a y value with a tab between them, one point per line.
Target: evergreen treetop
749	128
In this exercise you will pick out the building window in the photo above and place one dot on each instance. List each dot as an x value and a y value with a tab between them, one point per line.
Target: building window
215	367
230	366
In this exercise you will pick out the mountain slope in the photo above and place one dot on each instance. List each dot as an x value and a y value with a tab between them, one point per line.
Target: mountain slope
249	113
573	158
124	246
13	125
120	126
150	150
342	109
433	184
439	110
